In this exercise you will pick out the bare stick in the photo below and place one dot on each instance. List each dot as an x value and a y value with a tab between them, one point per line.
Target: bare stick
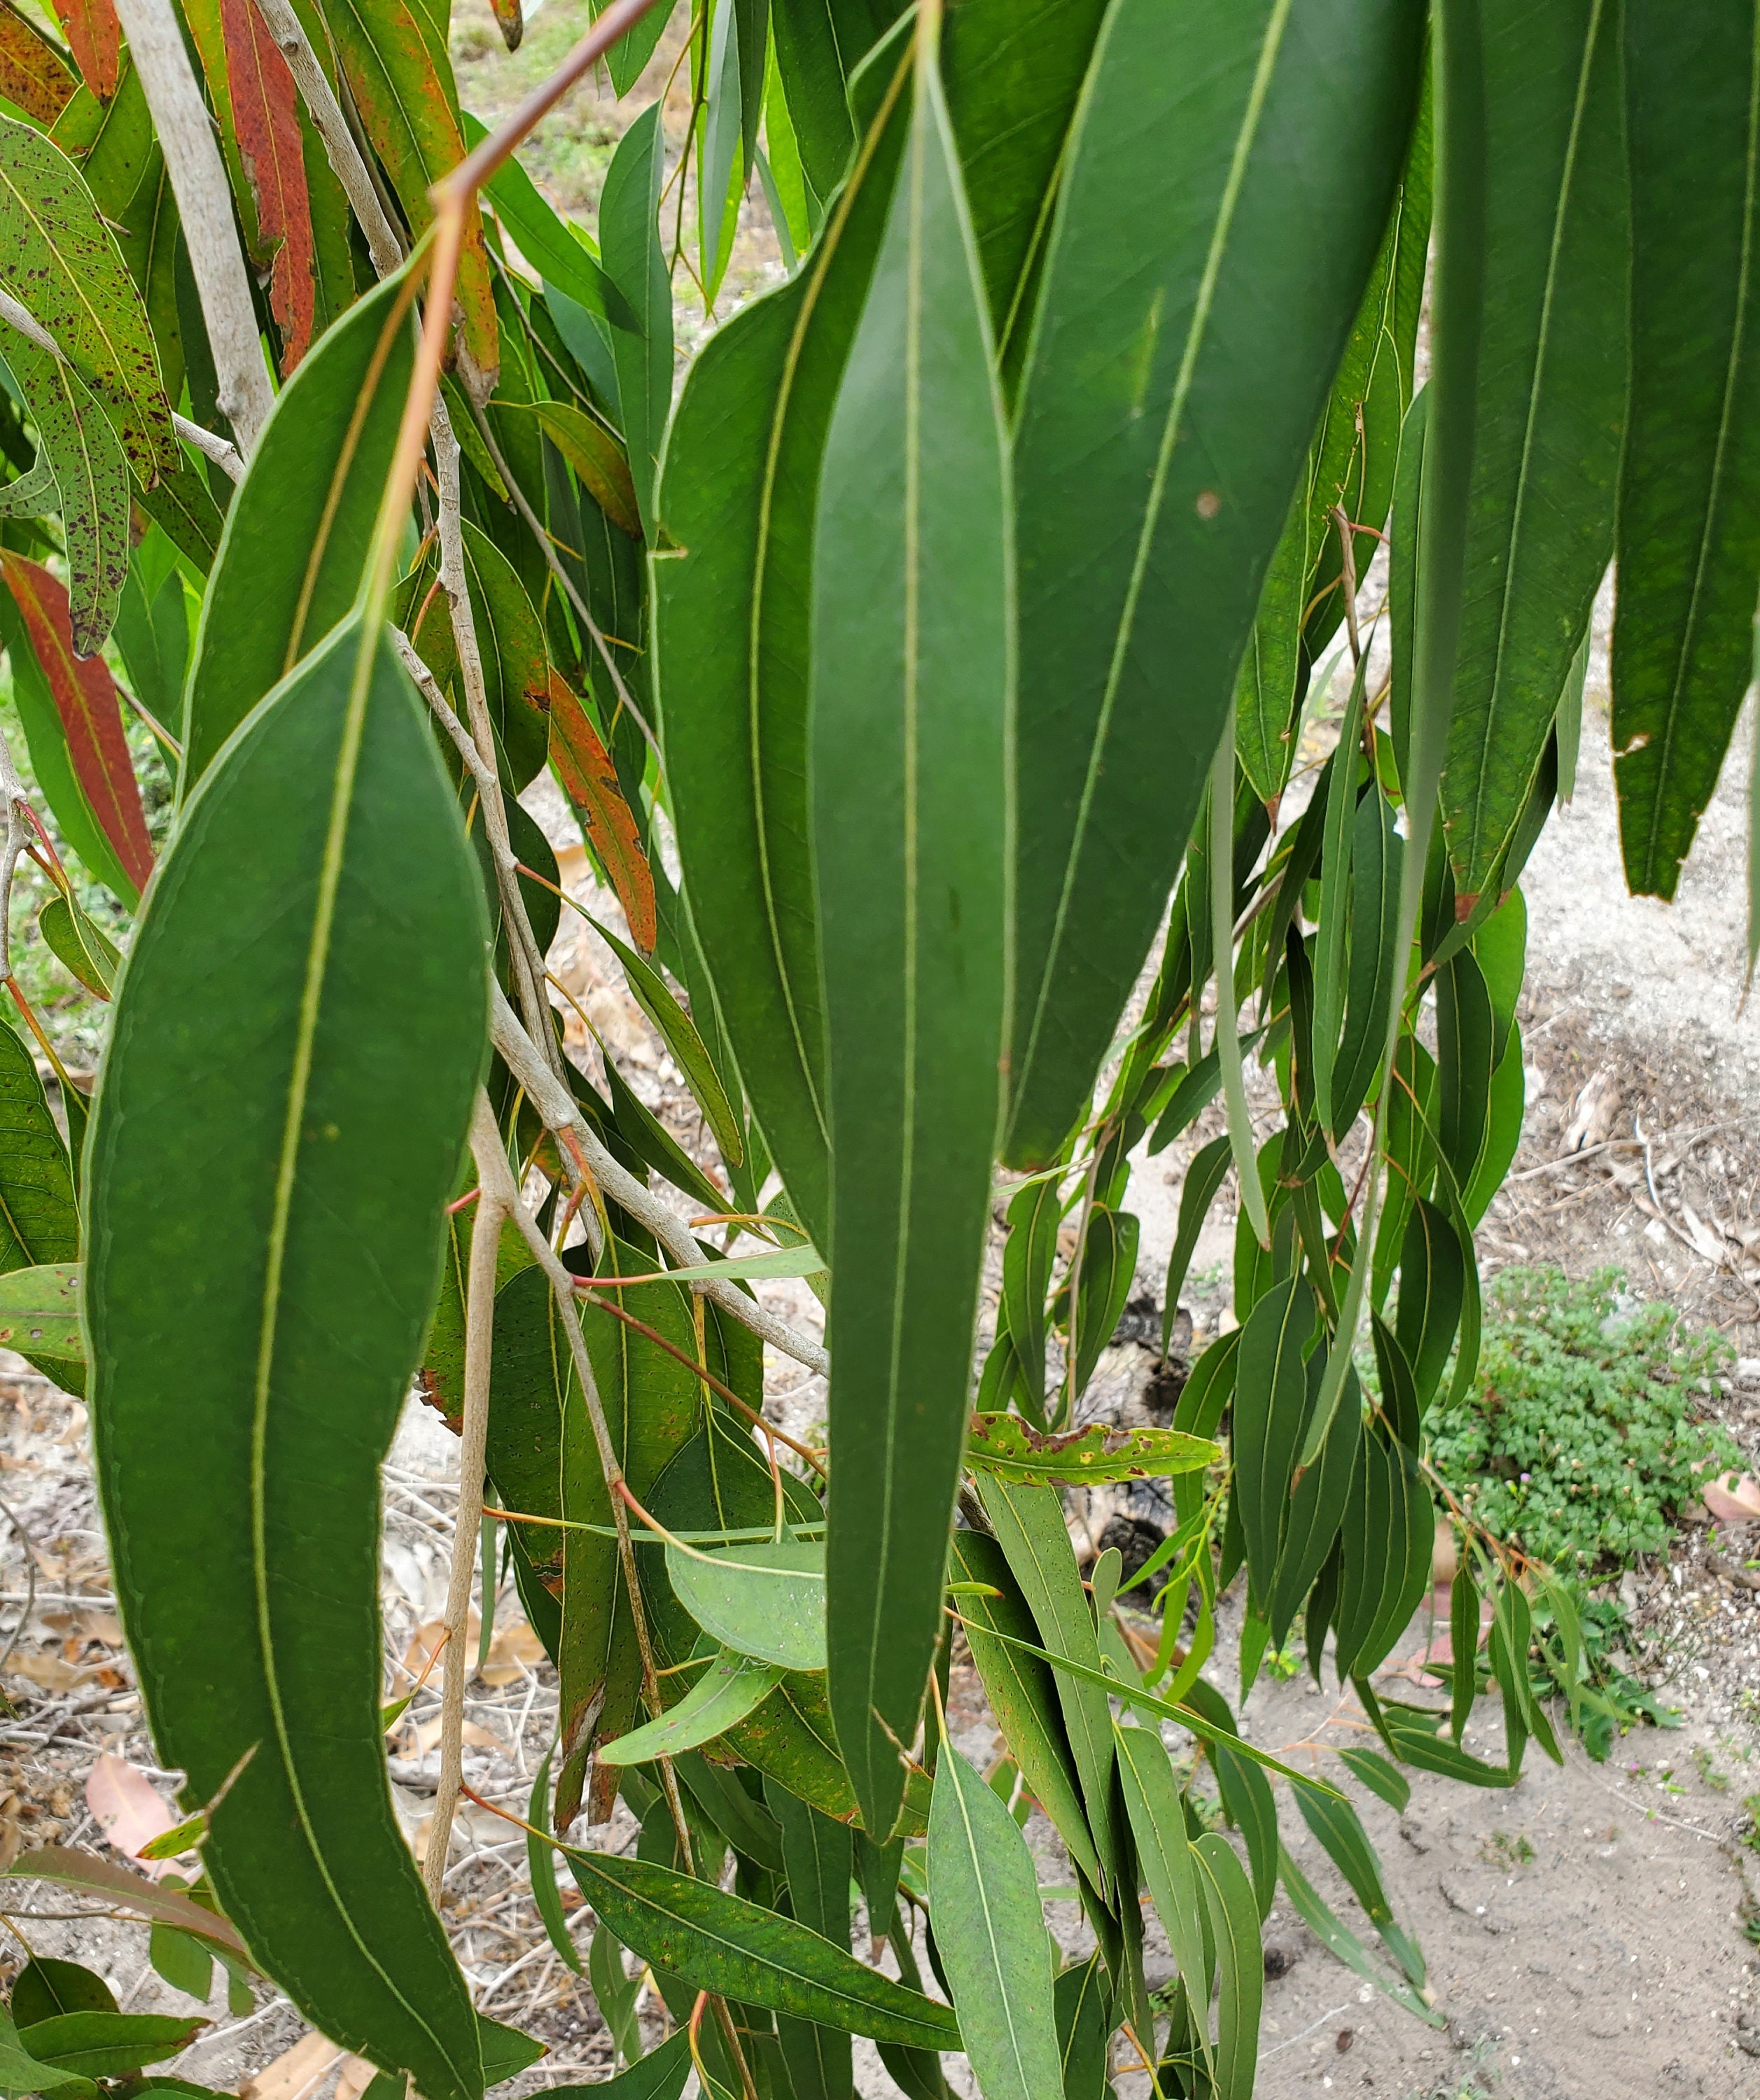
556	1106
325	112
204	205
17	832
224	455
496	1179
479	1342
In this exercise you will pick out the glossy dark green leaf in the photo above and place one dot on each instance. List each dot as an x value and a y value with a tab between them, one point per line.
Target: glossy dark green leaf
1385	1781
989	1928
46	1986
1389	1533
816	1858
1551	405
1027	1257
1014	70
1271	1396
108	2044
1029	1526
820	45
1195	1090
516	668
297	532
1689	498
1203	1178
1109	1269
1340	1830
538	1860
1465	1044
1376	861
87	950
1315	1510
555	251
1503	1131
679	1033
912	699
39	1220
1022	1692
1432	1282
717	1942
1339	1941
317	904
1158	1820
630	239
1234	1928
1209	182
738	499
1247	1800
1265	690
661	2075
1082	2000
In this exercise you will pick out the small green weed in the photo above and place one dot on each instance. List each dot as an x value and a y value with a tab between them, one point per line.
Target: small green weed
1501	1849
1718	1781
1581	1436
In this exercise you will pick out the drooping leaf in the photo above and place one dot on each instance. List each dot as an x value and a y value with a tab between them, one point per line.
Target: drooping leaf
319	903
661	2075
1551	404
721	1943
108	2044
46	1986
732	658
989	1933
597	458
1158	1820
1340	1830
33	73
1161	435
678	1030
92	720
630	242
60	259
1022	1692
558	251
266	115
1271	1396
911	697
39	1307
113	1883
1234	1928
1317	1914
1014	1450
1082	2001
541	1865
765	1600
816	1857
395	58
91	487
589	780
1689	498
94	35
298	528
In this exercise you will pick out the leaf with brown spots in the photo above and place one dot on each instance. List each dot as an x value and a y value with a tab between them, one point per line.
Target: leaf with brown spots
33	73
61	260
266	111
95	36
91	485
84	698
588	777
394	55
1006	1445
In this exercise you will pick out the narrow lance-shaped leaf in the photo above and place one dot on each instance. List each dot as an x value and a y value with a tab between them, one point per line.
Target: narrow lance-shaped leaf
912	695
630	240
737	498
265	113
297	532
1689	501
1551	408
990	1932
33	73
320	902
94	36
1160	437
91	486
91	719
60	259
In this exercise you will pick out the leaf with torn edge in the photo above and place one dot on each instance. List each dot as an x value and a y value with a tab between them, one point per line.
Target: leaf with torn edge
1008	1446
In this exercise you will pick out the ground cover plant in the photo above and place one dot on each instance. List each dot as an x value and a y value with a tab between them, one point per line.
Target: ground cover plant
956	622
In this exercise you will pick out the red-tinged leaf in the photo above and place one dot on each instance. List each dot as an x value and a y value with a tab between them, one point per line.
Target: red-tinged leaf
33	75
394	55
85	698
95	37
266	111
510	19
584	766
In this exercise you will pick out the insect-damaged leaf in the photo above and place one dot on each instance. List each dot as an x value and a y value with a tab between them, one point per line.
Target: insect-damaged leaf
590	779
913	675
1004	1445
39	1310
319	903
1214	175
60	259
91	719
33	73
299	527
91	487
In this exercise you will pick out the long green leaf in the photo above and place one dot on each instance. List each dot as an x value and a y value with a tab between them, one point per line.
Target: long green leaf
1014	1450
296	530
319	903
1339	1940
1551	407
989	1933
1270	1399
91	485
1234	1926
1689	502
1158	1821
912	701
679	1033
39	1220
1214	175
630	239
717	1942
737	498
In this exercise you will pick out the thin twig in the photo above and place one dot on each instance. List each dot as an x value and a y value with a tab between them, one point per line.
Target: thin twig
204	197
556	1106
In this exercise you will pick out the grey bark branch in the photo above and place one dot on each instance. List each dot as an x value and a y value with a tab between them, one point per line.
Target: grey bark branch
204	205
325	112
223	454
480	1341
495	1179
555	1104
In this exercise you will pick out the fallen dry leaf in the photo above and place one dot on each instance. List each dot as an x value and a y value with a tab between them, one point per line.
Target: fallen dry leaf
356	2075
1732	1498
1597	1103
293	2072
48	1672
427	1733
514	1651
129	1810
